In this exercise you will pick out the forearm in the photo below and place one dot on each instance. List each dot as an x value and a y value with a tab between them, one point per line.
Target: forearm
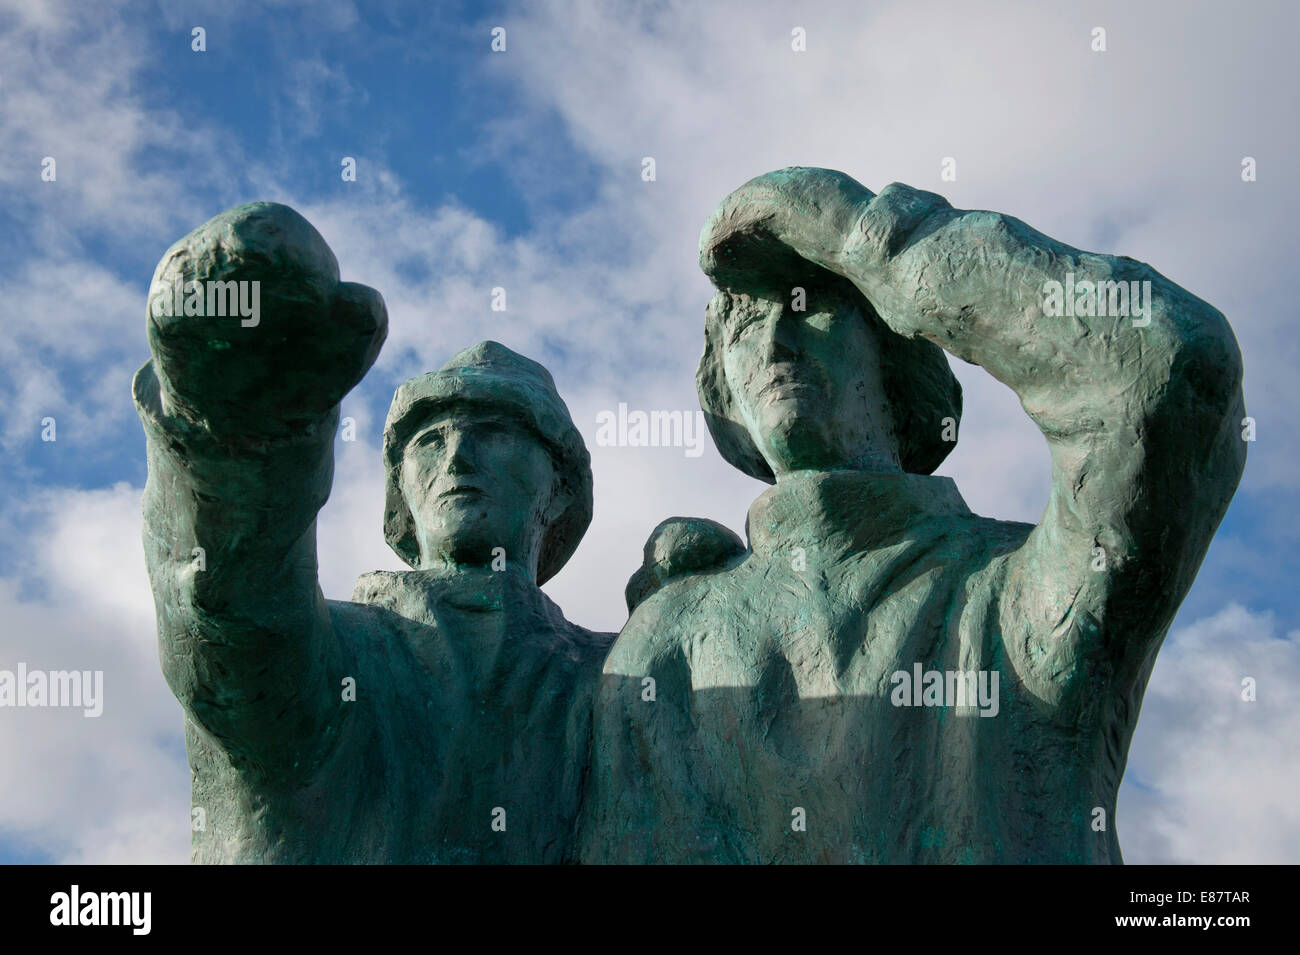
992	291
244	636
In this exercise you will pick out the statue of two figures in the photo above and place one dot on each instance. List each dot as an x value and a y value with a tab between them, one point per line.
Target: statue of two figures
876	675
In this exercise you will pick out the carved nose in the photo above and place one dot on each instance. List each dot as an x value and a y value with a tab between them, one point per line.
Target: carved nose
778	341
460	456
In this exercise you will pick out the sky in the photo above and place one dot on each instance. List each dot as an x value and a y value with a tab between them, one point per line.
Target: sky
522	169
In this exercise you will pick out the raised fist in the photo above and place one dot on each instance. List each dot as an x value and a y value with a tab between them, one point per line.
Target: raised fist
250	328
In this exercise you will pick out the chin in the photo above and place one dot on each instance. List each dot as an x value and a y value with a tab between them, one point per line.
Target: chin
803	449
785	419
469	532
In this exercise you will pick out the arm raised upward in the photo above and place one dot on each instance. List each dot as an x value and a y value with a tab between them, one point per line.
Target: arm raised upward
240	404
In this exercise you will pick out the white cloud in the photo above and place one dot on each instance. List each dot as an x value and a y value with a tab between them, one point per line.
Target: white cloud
111	145
115	787
316	88
1211	778
74	315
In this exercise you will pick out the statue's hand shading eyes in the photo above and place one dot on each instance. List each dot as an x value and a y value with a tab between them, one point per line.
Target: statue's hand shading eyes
251	330
772	222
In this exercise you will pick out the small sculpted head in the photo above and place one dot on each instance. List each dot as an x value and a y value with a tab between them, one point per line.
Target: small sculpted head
485	466
475	482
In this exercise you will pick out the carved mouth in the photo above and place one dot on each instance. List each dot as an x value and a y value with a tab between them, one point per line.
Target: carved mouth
462	491
786	384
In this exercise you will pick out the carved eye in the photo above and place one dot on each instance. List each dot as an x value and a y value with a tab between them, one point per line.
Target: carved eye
430	439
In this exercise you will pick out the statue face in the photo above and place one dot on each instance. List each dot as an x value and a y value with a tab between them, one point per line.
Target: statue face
808	384
476	482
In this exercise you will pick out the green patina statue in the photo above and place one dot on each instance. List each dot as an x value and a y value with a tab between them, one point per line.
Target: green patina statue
881	675
876	675
442	715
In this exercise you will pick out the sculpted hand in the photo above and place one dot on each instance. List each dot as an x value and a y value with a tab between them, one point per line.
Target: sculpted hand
273	339
765	224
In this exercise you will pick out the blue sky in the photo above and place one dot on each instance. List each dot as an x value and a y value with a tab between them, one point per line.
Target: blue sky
521	170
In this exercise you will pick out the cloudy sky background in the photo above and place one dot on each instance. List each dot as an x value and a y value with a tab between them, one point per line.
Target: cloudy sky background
522	170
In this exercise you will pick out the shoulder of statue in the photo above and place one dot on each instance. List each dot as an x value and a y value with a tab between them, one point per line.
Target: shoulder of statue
377	587
681	547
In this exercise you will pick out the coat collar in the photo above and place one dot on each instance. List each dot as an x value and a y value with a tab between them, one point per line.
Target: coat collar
473	590
842	512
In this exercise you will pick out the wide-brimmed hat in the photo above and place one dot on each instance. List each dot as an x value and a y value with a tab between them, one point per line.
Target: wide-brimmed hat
921	387
491	377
